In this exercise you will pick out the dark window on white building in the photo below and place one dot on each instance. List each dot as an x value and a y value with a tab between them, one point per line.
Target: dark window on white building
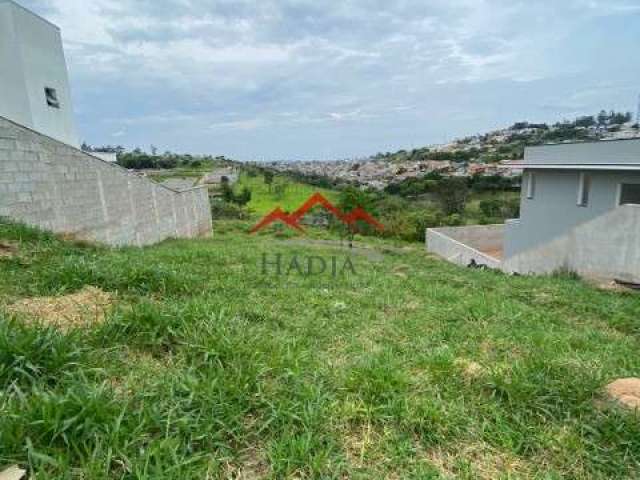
52	97
531	185
584	187
630	194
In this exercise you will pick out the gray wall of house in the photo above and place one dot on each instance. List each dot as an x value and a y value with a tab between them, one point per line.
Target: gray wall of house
54	186
606	246
554	209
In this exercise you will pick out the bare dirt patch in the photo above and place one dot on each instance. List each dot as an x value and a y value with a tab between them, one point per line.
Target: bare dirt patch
251	465
86	307
8	250
360	443
625	391
470	370
485	461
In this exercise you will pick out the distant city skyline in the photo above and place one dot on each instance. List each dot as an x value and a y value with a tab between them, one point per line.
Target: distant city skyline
299	79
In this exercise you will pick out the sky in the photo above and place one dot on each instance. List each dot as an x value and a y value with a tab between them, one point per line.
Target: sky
324	79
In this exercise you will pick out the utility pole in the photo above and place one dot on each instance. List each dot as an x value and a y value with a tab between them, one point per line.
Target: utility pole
638	112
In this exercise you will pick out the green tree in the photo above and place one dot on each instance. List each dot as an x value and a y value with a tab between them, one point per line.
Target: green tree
351	197
618	118
243	198
280	189
226	190
586	121
491	207
268	178
452	193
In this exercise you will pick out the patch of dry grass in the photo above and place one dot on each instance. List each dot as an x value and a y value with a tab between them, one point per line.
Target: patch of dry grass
251	464
8	250
470	370
477	460
83	308
626	391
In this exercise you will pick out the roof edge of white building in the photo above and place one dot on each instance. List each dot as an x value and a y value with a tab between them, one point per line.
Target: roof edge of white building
25	9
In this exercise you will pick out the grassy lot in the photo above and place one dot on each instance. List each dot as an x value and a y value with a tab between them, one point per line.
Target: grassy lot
265	198
408	368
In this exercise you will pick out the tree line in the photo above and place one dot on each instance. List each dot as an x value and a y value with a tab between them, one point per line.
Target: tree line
138	159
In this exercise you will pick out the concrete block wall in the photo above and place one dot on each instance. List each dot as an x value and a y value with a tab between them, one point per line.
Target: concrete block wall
51	185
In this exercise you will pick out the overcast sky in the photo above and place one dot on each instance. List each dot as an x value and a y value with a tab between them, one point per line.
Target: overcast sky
272	79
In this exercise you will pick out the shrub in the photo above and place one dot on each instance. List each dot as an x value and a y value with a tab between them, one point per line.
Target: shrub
230	196
453	220
452	194
500	209
221	210
491	207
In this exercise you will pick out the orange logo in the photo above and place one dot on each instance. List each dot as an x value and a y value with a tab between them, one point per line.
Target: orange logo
293	219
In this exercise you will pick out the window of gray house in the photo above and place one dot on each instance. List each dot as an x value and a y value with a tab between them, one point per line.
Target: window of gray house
630	194
584	188
531	185
52	97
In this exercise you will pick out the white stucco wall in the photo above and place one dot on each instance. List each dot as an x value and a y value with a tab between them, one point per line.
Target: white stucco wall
32	58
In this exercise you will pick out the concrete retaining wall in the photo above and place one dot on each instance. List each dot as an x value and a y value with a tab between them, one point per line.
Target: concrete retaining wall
605	247
461	245
56	187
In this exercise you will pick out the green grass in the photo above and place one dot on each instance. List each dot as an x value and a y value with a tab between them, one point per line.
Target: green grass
412	368
264	199
188	171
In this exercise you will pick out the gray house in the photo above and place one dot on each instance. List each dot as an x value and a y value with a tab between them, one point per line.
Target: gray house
579	211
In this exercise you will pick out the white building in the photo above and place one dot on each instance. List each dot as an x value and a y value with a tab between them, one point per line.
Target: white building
34	85
110	157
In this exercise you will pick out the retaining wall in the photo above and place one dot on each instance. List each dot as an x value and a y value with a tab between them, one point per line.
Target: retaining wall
461	245
605	247
51	185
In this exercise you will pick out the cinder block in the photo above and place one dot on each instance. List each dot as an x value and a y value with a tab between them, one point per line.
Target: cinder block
45	183
8	143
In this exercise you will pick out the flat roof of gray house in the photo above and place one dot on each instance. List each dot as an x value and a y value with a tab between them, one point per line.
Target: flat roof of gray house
603	155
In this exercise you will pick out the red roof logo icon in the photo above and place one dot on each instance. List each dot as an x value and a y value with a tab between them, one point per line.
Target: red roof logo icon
293	219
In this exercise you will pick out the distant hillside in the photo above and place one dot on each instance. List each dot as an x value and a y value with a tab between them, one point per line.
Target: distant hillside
509	143
478	155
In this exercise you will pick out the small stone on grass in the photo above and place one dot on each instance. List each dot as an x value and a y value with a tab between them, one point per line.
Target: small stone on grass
13	473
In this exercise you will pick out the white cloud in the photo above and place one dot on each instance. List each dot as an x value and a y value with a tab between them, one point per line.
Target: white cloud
248	124
303	64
